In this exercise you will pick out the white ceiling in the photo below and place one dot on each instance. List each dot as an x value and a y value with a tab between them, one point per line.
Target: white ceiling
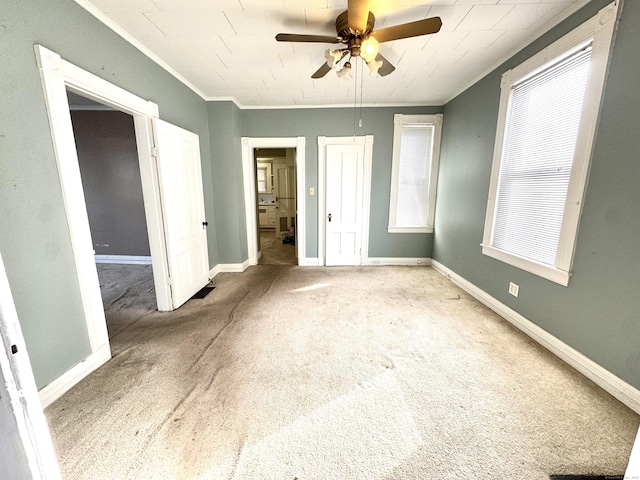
227	49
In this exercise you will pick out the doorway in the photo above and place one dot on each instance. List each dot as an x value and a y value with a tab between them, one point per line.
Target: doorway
285	219
276	206
344	192
109	166
171	236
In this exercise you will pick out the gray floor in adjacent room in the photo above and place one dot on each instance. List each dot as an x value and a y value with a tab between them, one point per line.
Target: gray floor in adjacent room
331	373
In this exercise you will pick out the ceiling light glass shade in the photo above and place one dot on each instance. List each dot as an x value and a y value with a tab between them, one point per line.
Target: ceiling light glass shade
333	57
374	66
369	49
345	72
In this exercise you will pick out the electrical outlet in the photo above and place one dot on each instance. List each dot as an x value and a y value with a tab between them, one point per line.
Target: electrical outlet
514	289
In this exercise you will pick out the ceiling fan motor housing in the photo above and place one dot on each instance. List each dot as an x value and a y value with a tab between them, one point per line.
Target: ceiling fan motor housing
351	38
342	26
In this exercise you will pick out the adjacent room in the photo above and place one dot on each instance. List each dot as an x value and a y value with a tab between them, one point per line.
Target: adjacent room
397	240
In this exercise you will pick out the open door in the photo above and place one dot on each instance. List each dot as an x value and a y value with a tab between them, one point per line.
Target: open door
285	184
180	177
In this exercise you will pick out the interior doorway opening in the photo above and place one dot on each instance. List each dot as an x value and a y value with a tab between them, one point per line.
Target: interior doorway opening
291	211
107	151
276	205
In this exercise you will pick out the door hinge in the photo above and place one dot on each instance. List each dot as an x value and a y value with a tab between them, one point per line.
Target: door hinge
154	152
170	281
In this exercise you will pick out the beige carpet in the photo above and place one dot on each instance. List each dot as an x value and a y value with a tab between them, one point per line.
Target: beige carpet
274	252
334	373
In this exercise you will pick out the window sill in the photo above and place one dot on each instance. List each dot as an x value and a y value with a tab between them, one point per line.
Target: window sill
550	273
410	229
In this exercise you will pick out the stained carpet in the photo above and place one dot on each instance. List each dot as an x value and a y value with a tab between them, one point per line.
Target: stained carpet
333	373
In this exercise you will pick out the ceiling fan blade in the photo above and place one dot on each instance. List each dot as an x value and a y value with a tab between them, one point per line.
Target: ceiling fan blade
407	30
386	67
358	15
322	71
294	37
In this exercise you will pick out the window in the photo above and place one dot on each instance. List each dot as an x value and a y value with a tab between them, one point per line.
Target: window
414	173
546	125
264	177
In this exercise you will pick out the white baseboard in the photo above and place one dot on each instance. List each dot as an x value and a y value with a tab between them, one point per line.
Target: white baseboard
397	261
229	268
308	262
66	381
617	387
123	259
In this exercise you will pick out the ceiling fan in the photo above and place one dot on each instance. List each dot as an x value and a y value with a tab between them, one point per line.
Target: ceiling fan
355	30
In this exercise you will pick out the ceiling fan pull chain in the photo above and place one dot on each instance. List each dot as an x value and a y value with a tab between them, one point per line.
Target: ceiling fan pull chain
361	82
355	100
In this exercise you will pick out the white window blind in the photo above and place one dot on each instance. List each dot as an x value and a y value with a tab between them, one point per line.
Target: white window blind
543	121
416	149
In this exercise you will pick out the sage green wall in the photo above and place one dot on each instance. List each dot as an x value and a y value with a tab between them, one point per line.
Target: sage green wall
226	159
597	314
34	235
339	122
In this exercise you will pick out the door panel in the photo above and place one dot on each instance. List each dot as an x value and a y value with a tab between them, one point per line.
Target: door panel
179	172
344	204
285	198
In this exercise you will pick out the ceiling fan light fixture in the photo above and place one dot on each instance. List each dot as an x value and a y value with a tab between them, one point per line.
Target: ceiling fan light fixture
345	72
333	57
374	66
369	48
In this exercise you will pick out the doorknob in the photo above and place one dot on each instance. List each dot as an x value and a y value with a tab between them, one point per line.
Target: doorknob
329	217
205	224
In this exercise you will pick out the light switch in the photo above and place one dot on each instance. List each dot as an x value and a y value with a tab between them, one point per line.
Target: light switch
312	191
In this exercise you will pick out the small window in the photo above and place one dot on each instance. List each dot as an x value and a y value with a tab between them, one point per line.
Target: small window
414	173
263	175
546	125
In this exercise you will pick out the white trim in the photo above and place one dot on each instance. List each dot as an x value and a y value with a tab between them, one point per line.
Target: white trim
214	271
20	398
134	42
623	391
248	145
57	76
545	271
308	262
409	229
633	468
600	28
91	108
67	380
399	261
434	103
367	141
399	120
123	259
521	46
230	267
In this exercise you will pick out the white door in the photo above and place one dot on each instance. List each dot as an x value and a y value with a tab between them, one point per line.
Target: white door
344	204
180	177
285	198
26	450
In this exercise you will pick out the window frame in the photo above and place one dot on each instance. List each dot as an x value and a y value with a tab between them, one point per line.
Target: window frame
398	121
599	29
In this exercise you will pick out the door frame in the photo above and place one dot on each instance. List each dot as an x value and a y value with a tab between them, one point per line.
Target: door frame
58	75
367	141
249	144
